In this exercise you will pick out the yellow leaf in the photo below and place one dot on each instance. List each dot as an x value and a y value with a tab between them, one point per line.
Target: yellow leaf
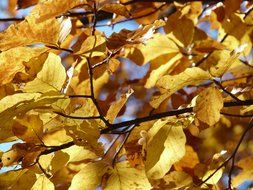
169	84
89	177
43	183
220	61
208	105
92	45
215	178
8	109
181	30
156	74
165	146
52	8
50	78
156	46
27	32
125	37
190	159
18	104
177	180
17	179
246	174
12	61
124	177
79	153
86	134
117	106
116	8
56	138
28	128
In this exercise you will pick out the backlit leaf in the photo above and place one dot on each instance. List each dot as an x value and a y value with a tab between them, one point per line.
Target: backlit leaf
50	78
135	178
169	84
208	105
43	183
89	177
165	146
27	33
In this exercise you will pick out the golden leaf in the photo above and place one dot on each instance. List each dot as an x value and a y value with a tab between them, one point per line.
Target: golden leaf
51	8
117	9
91	46
156	74
220	62
190	159
156	46
208	105
168	84
181	35
135	178
177	180
27	33
43	183
50	78
246	164
165	146
12	61
17	179
89	177
28	128
117	106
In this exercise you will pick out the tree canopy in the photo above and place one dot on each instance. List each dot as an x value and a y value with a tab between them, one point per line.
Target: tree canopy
168	105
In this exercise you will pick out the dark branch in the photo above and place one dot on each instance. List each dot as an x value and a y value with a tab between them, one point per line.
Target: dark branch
167	114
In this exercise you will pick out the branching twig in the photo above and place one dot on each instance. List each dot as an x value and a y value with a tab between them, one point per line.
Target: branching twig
231	157
166	114
224	90
122	144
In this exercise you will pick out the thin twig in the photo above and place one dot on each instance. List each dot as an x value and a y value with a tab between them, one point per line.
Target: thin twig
232	156
224	90
122	144
235	115
59	48
167	114
79	96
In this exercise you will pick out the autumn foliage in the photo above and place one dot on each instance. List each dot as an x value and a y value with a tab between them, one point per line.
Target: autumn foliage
168	105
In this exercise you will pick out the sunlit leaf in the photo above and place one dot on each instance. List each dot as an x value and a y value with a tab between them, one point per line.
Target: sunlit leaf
169	84
11	61
165	146
43	183
135	178
208	105
89	177
50	78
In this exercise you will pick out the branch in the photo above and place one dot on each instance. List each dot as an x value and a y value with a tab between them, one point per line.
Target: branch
57	148
235	115
224	90
169	1
166	114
